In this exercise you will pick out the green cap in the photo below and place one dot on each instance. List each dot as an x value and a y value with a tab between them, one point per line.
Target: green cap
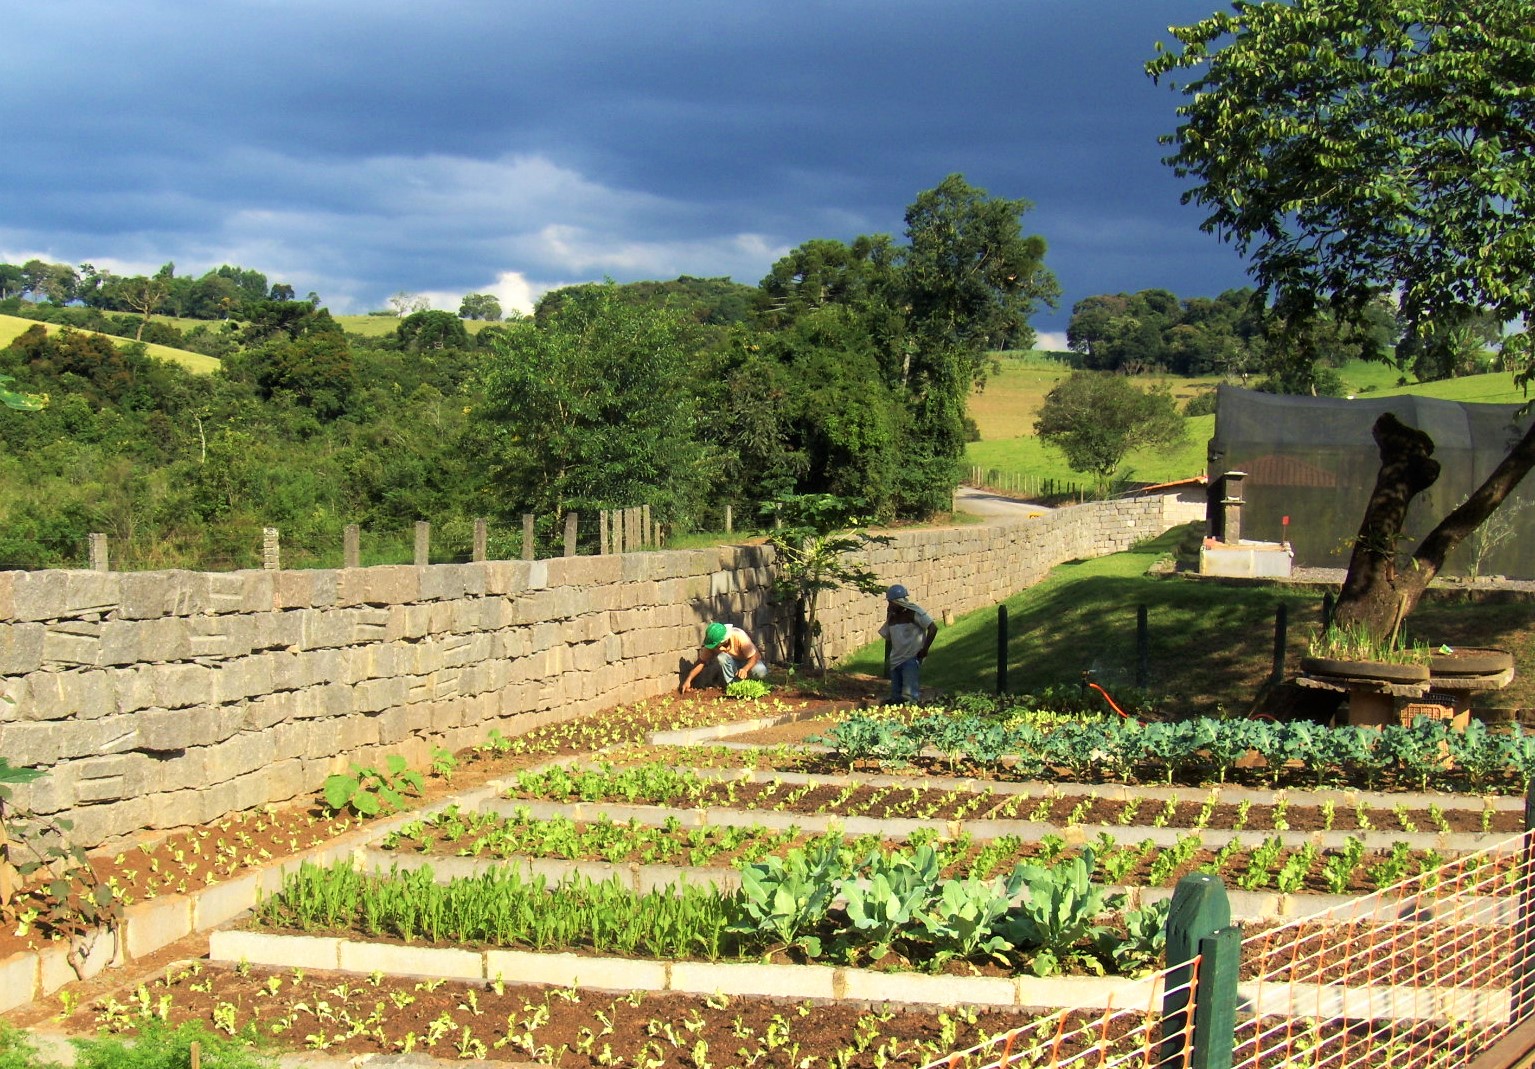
714	635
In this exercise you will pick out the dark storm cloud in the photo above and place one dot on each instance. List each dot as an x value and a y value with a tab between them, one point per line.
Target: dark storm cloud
363	148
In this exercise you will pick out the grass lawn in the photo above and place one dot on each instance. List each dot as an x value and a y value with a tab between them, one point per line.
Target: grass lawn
13	326
1211	644
1005	410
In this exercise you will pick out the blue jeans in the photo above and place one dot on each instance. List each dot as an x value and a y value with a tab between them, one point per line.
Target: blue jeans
729	666
904	689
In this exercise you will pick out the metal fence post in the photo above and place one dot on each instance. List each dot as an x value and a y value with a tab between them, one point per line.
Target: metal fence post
1142	648
1001	649
1200	909
1281	630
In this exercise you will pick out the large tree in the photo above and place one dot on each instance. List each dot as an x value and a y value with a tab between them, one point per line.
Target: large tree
1352	150
1096	417
596	408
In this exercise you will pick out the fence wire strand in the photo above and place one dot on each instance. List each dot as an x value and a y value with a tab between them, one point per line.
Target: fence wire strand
1424	974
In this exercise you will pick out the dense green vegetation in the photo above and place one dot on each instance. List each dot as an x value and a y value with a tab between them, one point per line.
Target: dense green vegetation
845	374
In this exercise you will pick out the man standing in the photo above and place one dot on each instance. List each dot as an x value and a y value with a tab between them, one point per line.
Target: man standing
911	632
730	648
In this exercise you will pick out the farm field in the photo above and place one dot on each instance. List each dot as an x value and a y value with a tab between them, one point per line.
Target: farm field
13	326
261	982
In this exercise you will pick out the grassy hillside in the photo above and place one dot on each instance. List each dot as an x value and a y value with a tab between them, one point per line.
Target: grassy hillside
1005	410
12	326
1211	644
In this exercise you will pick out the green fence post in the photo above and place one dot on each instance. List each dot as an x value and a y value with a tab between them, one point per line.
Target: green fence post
1215	999
1001	649
1200	909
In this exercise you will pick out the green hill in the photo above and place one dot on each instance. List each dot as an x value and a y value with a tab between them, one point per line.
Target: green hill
13	326
1004	412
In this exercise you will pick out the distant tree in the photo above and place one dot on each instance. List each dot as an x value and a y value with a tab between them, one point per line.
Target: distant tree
281	291
144	295
480	306
432	330
1354	151
55	283
403	304
11	281
1450	346
1095	418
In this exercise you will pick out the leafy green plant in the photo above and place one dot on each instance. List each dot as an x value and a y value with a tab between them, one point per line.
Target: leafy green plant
751	689
1143	947
1057	919
38	862
157	1045
1356	643
368	790
786	898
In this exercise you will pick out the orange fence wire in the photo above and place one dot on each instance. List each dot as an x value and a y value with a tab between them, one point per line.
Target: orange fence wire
1089	1038
1426	973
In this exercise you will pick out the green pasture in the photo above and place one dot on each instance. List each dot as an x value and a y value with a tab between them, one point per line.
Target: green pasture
1005	409
13	326
1210	643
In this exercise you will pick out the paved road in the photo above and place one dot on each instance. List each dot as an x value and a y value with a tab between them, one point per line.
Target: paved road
991	505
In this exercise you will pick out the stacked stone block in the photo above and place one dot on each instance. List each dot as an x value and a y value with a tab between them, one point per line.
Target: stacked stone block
161	699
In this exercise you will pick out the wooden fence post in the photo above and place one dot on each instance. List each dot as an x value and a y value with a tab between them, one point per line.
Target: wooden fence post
1215	999
99	558
528	549
1200	908
481	540
423	543
351	546
571	519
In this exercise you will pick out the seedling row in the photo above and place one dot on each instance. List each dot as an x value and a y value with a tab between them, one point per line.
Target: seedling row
658	784
1353	867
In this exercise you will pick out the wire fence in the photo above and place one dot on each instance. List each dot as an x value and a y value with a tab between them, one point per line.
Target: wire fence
1431	972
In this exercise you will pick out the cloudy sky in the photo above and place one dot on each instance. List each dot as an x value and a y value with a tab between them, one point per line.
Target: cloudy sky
358	148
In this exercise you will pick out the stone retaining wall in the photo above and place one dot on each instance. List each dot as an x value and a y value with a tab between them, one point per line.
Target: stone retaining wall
161	699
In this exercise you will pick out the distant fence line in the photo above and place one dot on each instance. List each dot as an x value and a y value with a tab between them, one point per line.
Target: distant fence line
618	531
1012	482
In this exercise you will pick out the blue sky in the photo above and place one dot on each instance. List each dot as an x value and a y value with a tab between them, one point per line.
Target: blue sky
358	149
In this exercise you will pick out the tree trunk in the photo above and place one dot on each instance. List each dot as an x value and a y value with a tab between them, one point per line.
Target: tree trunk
1378	595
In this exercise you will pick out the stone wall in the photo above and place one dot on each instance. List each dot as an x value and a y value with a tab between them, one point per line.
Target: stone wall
160	699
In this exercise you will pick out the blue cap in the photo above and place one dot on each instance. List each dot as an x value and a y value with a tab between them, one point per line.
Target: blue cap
897	592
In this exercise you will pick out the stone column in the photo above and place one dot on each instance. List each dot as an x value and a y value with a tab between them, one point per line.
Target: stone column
351	546
99	560
423	543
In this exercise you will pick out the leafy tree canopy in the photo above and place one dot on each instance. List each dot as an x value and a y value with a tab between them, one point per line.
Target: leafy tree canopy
1096	417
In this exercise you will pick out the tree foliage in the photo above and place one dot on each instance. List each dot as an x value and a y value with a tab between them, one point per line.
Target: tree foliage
595	409
1095	418
1353	151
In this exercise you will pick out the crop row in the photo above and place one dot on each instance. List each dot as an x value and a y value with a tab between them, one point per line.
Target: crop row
660	784
820	902
1423	754
1267	866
